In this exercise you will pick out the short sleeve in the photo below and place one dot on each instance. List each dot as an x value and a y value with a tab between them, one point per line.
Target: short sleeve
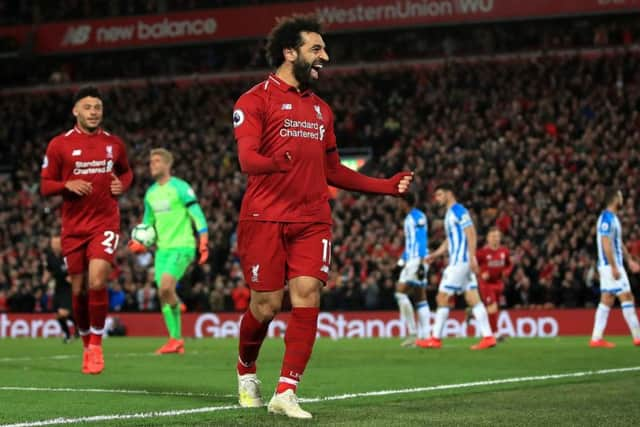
606	226
248	115
462	216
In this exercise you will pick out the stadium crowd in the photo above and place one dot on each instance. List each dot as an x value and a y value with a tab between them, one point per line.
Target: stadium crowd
530	144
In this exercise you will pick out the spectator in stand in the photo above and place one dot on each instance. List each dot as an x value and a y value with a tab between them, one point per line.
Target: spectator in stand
146	297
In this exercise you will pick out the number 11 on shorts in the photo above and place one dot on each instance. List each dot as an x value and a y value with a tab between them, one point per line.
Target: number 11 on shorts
326	251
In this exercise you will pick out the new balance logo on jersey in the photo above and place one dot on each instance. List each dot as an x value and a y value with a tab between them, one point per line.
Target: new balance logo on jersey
76	153
255	270
287	107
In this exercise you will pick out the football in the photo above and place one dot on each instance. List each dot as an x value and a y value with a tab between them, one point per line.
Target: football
144	234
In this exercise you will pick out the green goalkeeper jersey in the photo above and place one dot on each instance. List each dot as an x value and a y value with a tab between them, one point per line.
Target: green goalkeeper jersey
170	208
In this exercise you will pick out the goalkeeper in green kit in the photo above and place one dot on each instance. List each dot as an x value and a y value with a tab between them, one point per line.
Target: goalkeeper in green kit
170	206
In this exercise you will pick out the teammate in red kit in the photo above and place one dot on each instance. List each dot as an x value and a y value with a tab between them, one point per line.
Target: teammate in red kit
495	264
89	168
287	147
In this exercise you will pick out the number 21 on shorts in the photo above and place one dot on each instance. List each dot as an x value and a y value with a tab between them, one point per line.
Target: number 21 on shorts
110	242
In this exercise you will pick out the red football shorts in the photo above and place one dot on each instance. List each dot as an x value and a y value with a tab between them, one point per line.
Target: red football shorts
78	250
491	292
273	252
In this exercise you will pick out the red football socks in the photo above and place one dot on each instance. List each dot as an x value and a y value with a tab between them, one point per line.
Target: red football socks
98	307
252	334
298	341
493	322
80	306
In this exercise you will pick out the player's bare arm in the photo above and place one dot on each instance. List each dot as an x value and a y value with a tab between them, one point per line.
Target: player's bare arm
607	246
634	266
117	188
80	187
472	238
442	249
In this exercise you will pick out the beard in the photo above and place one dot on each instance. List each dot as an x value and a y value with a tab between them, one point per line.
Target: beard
87	126
302	73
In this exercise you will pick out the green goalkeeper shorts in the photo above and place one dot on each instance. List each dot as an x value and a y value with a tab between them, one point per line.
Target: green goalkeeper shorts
173	261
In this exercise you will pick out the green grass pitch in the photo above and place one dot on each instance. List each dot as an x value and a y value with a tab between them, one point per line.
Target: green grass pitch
40	380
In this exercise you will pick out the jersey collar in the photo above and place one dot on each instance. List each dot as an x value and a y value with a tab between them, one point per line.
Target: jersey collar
81	132
285	87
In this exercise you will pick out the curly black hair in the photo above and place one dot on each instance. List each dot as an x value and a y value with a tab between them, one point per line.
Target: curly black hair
85	91
287	35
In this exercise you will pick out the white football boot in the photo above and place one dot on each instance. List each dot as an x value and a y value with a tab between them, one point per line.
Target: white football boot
249	395
287	404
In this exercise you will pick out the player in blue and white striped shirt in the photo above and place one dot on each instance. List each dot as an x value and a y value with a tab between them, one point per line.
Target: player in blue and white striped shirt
613	277
414	271
460	274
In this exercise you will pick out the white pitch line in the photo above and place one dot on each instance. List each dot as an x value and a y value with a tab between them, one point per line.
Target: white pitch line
140	415
207	409
471	384
109	390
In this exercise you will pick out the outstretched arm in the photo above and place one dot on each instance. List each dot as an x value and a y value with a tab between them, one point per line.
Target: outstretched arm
342	177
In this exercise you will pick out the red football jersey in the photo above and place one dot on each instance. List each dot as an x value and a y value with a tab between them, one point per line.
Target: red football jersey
302	123
496	262
90	157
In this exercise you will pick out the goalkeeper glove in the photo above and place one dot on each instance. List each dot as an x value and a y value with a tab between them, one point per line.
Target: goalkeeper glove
203	248
136	247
